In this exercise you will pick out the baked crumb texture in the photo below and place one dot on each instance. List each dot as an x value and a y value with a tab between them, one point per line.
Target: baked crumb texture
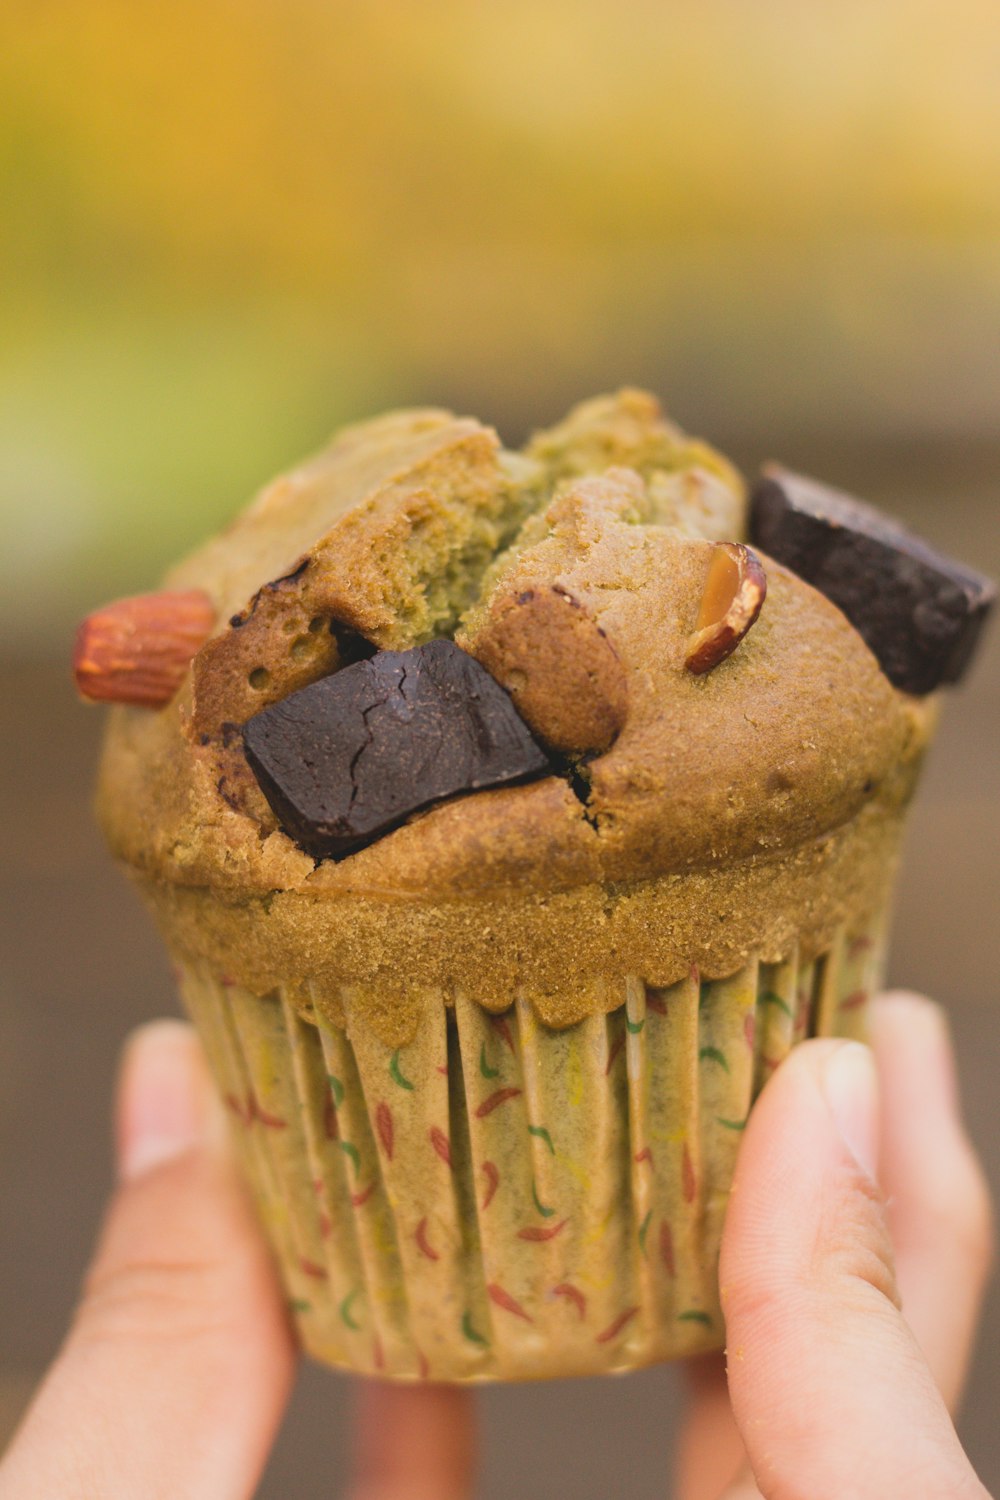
749	812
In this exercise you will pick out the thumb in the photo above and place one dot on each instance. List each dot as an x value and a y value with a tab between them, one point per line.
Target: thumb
830	1391
177	1368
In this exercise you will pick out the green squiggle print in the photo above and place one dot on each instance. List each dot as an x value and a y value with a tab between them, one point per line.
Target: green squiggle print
543	1135
643	1231
486	1071
545	1212
352	1152
395	1074
336	1088
471	1334
731	1124
635	1026
345	1311
695	1315
712	1054
770	998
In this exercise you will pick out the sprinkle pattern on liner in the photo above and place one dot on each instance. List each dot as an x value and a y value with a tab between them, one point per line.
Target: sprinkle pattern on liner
584	1172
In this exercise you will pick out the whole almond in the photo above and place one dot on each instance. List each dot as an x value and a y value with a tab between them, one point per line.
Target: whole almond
138	650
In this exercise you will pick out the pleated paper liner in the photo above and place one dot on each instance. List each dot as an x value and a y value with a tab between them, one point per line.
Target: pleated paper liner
501	1201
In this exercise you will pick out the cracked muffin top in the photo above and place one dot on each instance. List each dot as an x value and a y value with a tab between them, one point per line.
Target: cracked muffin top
576	574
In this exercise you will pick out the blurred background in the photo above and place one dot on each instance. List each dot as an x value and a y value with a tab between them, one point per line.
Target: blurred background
230	225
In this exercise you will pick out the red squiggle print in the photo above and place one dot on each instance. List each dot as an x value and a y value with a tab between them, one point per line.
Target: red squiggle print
318	1273
331	1124
252	1111
667	1248
244	1113
688	1179
420	1235
644	1155
494	1101
492	1176
273	1122
617	1326
441	1144
571	1294
358	1200
855	1001
506	1301
384	1126
613	1054
538	1233
502	1028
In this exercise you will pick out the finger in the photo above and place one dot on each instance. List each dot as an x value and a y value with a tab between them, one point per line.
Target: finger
831	1394
179	1363
414	1443
940	1222
937	1201
710	1450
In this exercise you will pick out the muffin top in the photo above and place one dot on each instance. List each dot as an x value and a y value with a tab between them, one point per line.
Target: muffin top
582	574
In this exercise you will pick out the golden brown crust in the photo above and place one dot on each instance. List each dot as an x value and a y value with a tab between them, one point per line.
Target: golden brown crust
338	542
761	798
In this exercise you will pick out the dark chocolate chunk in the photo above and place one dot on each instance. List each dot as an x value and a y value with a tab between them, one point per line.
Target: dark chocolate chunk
351	756
919	612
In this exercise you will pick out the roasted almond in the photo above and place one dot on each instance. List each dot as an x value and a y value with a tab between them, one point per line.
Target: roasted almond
734	592
137	650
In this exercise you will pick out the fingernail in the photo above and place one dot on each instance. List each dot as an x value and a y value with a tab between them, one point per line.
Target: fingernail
851	1087
161	1100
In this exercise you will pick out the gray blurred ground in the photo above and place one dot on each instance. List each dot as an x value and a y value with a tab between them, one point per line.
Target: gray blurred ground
80	966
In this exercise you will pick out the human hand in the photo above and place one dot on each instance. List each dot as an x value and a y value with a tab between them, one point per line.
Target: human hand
850	1311
179	1364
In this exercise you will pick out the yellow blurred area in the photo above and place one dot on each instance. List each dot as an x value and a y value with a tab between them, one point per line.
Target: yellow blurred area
230	224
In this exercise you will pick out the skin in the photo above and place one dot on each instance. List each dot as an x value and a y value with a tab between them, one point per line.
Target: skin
851	1307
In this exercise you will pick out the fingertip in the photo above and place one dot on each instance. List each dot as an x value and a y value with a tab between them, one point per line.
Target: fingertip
165	1100
165	1042
841	1071
901	995
912	1040
912	1009
816	1122
417	1440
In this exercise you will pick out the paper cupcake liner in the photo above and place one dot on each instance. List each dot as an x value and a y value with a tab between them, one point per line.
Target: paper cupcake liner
501	1201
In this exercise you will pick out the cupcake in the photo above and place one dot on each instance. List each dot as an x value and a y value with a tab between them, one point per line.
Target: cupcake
508	816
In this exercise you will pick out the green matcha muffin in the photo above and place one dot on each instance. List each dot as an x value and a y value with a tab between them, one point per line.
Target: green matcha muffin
508	818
